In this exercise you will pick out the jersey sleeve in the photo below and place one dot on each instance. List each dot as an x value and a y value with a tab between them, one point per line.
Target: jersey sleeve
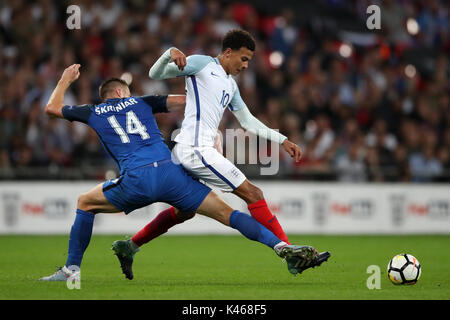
163	69
77	113
195	64
158	103
236	102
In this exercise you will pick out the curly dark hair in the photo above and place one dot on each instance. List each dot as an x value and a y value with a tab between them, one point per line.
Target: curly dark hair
235	39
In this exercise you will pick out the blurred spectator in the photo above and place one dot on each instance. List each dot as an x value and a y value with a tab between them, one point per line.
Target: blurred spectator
351	166
424	166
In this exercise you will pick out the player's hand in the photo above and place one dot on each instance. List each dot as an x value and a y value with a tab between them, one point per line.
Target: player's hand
293	150
71	73
179	58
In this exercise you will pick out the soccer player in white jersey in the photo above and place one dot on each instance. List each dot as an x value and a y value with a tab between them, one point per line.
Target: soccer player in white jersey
210	89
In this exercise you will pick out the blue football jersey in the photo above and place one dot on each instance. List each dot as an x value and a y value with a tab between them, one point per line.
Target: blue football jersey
126	128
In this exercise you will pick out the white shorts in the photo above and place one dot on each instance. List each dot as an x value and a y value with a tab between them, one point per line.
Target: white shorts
207	164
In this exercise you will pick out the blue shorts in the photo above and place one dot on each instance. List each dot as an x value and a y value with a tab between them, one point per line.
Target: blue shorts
167	182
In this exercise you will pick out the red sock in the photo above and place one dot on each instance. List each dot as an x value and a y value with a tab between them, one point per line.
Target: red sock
261	213
163	221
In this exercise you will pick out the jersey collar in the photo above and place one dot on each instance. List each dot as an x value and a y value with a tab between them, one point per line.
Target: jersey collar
216	60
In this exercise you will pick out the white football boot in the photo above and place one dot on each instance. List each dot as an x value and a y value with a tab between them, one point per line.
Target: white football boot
62	274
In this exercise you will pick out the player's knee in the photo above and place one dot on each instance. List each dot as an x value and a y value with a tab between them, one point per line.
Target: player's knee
249	192
84	203
258	194
223	214
254	194
226	217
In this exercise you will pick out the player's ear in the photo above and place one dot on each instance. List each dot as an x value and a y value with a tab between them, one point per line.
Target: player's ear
227	52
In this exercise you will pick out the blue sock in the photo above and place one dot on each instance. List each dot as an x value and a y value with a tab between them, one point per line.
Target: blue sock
252	229
80	236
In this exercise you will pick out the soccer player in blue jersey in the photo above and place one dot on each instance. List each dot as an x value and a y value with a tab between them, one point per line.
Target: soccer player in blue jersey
128	131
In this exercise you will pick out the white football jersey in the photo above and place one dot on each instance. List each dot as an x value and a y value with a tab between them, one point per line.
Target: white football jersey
209	90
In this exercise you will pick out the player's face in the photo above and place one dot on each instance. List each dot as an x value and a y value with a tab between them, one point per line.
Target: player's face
238	60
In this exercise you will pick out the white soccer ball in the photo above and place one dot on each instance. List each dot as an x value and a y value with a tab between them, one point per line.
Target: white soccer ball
404	269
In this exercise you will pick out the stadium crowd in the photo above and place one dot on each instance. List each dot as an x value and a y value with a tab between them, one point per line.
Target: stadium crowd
360	110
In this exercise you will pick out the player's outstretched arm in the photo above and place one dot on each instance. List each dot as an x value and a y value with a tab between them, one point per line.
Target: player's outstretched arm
173	63
169	65
250	123
55	103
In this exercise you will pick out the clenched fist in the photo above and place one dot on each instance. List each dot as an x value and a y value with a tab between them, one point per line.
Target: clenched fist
71	73
179	58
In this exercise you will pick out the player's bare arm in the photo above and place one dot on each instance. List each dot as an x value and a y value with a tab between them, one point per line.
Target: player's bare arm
176	102
55	103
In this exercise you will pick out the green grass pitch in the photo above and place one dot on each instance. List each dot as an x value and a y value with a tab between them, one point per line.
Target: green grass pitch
215	267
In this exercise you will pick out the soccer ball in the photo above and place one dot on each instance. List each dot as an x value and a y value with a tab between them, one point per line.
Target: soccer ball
404	269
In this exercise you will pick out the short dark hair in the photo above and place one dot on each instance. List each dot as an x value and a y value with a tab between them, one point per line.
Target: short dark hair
235	39
109	85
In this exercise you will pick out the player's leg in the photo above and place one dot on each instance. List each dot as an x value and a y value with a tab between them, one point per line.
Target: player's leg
193	196
258	208
126	249
163	221
94	201
211	206
88	205
208	164
181	191
298	258
166	218
155	189
190	196
214	207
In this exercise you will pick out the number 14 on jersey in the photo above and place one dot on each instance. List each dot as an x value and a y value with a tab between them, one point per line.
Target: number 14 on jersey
133	126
